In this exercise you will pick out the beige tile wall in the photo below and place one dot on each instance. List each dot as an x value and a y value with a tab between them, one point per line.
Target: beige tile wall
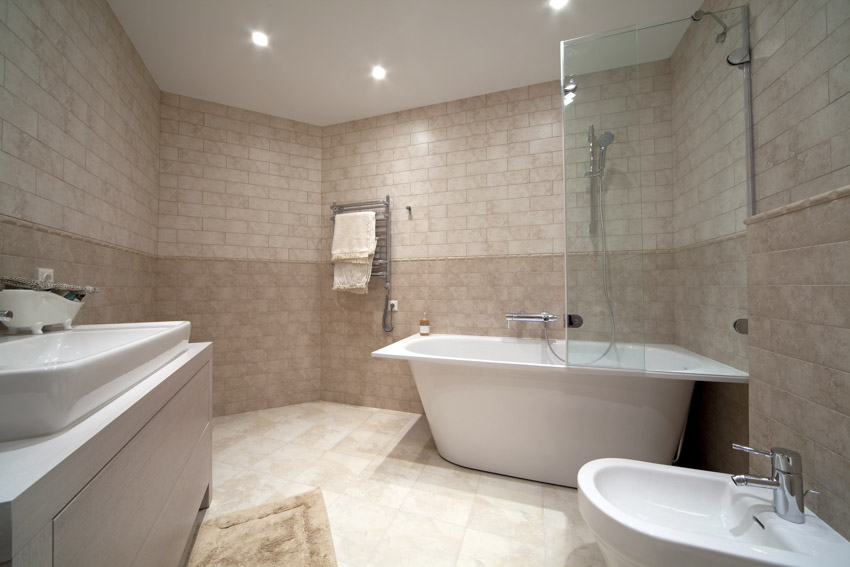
637	186
264	320
801	78
482	175
80	117
799	286
126	278
239	239
711	293
78	157
709	135
640	287
237	184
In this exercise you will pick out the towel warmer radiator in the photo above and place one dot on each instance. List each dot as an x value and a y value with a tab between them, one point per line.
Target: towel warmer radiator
381	262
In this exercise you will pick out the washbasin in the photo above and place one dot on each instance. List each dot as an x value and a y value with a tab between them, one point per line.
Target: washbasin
50	381
645	514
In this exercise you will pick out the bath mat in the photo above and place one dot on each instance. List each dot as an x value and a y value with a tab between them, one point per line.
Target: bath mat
294	533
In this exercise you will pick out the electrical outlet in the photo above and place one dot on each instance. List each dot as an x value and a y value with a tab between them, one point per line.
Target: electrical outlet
393	305
45	274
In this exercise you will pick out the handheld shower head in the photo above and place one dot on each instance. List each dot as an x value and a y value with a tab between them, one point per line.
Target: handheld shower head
604	140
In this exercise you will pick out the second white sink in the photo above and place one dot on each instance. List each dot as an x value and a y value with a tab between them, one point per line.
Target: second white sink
49	381
644	514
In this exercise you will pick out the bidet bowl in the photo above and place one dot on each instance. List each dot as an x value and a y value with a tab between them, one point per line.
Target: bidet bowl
648	515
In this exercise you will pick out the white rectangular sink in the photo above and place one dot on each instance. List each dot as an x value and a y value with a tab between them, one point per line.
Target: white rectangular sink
49	381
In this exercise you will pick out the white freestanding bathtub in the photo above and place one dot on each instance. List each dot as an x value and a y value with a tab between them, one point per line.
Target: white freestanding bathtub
508	406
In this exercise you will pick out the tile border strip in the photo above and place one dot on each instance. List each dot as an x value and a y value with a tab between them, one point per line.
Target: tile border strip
826	197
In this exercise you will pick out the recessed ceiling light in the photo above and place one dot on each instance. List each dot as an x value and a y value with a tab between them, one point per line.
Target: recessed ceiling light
259	38
558	4
379	72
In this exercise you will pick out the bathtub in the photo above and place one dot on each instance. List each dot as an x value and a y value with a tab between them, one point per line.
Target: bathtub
508	406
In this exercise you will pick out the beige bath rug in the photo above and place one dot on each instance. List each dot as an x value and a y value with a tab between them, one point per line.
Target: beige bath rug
293	533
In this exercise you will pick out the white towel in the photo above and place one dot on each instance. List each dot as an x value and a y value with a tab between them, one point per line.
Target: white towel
352	251
352	277
354	237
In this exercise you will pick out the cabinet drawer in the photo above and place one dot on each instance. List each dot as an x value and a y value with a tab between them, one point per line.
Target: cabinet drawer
108	521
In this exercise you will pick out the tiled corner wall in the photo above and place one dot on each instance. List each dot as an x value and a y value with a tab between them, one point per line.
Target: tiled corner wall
239	244
801	111
799	280
237	184
78	159
264	319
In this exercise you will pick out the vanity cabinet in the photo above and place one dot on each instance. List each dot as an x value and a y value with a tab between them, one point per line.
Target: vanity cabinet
140	505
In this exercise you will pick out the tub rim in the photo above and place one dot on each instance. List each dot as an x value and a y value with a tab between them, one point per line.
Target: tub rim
398	351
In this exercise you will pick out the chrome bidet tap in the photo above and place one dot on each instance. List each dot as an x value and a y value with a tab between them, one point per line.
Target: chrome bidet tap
786	481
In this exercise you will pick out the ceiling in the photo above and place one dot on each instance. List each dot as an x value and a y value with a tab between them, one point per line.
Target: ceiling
321	52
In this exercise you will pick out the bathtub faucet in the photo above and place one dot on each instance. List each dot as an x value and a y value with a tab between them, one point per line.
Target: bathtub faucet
786	481
530	317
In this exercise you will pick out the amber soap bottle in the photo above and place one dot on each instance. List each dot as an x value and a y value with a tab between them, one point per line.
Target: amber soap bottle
424	325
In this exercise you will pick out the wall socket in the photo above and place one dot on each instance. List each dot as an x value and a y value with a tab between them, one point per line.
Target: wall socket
393	305
45	274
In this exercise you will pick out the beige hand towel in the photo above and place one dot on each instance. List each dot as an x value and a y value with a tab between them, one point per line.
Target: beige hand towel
352	277
354	237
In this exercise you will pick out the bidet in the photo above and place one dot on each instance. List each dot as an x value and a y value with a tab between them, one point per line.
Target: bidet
649	515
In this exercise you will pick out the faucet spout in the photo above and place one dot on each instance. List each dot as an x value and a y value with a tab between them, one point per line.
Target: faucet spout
757	481
785	480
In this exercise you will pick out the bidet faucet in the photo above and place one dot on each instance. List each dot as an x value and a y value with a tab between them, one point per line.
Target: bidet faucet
6	316
786	481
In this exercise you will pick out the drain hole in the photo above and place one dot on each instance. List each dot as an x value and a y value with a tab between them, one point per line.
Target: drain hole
758	522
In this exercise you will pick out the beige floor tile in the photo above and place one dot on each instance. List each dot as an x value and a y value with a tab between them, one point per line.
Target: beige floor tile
243	490
412	540
349	417
390	422
363	443
480	549
248	451
222	472
289	461
445	495
222	438
322	436
287	429
511	489
389	494
569	542
513	520
357	528
253	422
333	471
